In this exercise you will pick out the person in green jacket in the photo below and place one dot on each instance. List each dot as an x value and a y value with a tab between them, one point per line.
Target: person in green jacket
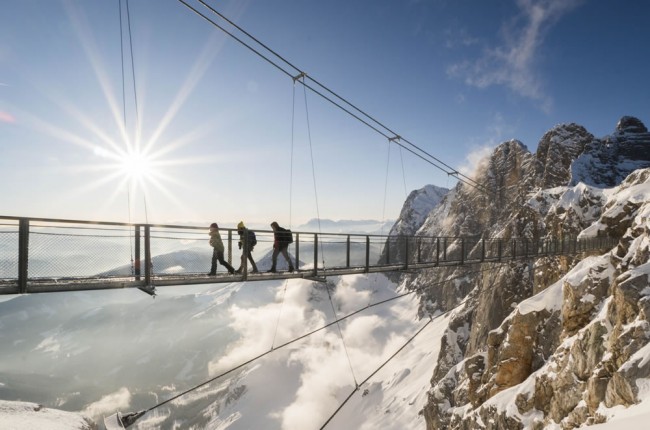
217	253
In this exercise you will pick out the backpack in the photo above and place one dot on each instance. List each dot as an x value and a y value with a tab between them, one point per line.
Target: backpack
285	237
252	240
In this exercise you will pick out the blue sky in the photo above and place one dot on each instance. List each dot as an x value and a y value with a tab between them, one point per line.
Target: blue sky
217	124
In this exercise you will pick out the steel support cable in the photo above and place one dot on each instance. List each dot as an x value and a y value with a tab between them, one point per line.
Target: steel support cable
277	323
128	190
383	211
338	326
434	162
296	339
313	173
378	369
137	132
431	319
236	38
403	173
293	122
344	100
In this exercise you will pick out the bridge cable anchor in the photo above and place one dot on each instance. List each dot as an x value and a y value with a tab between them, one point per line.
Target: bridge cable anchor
302	76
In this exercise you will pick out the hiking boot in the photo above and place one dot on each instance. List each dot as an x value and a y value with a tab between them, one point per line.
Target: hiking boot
212	273
255	271
291	269
238	271
271	270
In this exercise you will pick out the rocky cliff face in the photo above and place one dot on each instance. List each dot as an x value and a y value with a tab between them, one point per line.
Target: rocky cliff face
414	212
530	344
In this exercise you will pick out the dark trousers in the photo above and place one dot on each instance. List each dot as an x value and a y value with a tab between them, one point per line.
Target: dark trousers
247	253
218	256
281	250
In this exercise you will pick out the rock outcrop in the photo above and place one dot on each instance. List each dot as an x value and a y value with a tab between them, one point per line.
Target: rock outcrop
549	342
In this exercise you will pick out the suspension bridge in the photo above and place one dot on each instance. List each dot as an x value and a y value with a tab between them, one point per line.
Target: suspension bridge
52	255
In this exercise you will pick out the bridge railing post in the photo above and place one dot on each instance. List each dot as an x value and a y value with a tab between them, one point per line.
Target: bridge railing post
23	254
499	250
525	248
387	246
230	247
147	255
444	249
137	264
482	250
514	249
297	264
419	243
367	254
347	252
315	254
437	251
406	252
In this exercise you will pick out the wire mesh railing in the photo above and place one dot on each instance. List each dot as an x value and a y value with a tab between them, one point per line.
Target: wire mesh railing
38	255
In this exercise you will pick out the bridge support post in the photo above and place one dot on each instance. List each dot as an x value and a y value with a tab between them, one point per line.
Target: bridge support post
23	254
230	247
245	251
148	266
347	252
137	263
499	250
437	251
525	248
482	250
406	253
387	246
419	241
367	254
315	254
297	264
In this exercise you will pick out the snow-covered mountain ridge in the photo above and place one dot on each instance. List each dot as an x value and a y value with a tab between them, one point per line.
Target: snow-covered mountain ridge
548	344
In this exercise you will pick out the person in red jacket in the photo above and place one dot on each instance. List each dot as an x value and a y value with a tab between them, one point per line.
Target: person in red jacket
282	239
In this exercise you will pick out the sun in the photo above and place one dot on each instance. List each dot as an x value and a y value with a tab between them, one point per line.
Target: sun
136	165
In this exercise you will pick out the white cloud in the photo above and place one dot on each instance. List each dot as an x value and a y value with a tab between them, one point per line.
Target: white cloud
109	404
512	63
476	159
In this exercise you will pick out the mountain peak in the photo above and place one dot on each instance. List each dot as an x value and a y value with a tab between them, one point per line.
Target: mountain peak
630	124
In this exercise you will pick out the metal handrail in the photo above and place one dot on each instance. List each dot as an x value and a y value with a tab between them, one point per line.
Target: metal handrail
341	253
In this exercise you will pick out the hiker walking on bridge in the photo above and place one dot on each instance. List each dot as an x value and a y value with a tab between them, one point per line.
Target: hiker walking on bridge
282	239
247	241
217	253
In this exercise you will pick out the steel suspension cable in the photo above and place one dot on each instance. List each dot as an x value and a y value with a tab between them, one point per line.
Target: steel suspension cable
277	323
313	173
293	127
135	415
125	134
434	161
344	100
383	212
431	319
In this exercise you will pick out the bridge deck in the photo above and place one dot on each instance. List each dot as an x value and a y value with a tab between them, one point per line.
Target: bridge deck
48	255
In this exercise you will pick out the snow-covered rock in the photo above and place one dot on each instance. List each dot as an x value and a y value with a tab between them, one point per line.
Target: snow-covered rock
532	345
31	416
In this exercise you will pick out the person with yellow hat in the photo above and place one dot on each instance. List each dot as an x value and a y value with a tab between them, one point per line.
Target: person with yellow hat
247	241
